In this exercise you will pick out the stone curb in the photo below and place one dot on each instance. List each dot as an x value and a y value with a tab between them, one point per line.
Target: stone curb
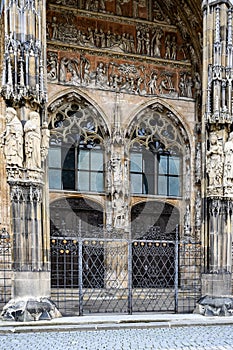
69	324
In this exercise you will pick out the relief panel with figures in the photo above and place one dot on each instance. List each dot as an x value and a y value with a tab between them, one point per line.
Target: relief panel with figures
122	75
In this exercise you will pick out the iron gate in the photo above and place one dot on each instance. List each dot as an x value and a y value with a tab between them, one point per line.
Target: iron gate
125	276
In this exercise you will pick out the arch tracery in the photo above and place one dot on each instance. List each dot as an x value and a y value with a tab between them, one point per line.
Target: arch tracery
72	114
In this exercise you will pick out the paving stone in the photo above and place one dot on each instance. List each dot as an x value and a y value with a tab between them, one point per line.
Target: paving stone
180	338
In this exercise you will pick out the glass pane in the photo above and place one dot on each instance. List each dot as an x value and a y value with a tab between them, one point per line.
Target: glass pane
162	185
174	186
174	166
83	181
136	183
68	156
55	179
68	180
96	160
97	182
83	159
163	165
55	157
136	162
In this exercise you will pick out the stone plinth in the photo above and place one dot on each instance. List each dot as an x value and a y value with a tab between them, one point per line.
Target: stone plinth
217	299
30	298
31	284
218	284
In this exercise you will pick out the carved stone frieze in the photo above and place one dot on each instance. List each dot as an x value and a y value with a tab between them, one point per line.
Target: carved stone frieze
141	40
117	75
126	8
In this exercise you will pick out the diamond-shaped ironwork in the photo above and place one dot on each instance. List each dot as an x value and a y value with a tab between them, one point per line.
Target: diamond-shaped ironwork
99	275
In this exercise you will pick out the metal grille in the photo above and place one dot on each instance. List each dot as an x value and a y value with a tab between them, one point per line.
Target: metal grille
190	268
5	267
153	275
96	275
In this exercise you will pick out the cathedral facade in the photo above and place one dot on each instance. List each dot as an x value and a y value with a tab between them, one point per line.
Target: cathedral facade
116	157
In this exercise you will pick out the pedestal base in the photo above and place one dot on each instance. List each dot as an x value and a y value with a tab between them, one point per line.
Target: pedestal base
29	309
217	299
218	284
33	284
214	306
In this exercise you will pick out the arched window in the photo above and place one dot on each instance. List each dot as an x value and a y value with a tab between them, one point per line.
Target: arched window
155	170
157	148
77	166
76	157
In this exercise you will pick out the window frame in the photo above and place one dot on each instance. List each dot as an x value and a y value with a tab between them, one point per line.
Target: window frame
65	149
155	174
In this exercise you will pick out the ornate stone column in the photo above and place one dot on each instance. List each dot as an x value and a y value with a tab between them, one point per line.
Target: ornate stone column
218	157
25	145
117	205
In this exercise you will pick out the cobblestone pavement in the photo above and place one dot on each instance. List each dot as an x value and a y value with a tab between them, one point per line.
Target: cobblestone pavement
182	338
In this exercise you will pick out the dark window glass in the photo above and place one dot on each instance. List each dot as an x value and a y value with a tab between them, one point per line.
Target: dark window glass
154	171
76	167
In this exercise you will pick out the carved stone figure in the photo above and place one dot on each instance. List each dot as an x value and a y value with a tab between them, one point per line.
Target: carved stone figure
118	7
33	141
173	48
153	83
52	68
228	163
182	86
135	8
119	211
198	210
168	47
156	43
45	135
12	139
198	162
214	166
197	85
147	43
189	87
101	77
116	173
88	4
139	42
55	34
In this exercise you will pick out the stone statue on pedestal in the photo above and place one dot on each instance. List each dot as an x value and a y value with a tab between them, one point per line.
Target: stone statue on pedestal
12	139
